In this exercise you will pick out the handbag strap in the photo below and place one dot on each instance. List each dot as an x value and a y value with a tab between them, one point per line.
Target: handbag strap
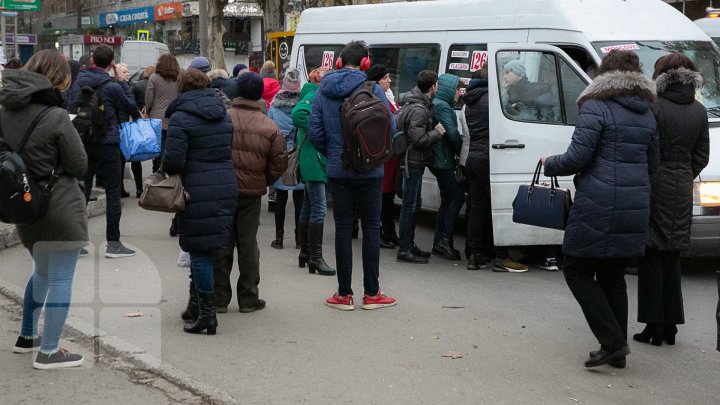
554	183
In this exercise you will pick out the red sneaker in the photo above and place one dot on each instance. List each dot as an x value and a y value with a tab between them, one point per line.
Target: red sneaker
379	301
342	303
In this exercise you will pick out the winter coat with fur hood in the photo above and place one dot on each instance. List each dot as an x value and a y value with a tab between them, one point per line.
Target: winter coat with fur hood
612	152
684	152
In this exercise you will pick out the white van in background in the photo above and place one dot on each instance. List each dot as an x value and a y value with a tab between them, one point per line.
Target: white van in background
140	54
711	24
560	43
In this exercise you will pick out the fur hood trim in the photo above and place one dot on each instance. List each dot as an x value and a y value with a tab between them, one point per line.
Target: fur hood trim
678	76
285	98
617	83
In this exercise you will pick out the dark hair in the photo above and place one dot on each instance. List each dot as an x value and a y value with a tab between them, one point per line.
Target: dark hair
84	60
103	55
426	79
481	74
192	79
672	61
376	72
353	53
624	61
167	67
13	63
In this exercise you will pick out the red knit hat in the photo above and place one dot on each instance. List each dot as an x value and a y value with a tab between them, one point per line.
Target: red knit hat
272	87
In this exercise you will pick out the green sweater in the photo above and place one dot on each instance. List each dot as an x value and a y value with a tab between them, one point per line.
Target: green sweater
312	164
443	112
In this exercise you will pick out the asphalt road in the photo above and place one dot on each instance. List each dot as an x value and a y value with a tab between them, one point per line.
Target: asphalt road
522	337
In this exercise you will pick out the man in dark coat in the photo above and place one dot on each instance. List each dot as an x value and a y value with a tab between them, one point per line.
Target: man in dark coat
613	151
348	186
115	102
415	120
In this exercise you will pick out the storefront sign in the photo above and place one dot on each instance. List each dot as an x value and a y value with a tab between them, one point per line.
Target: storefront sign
238	47
22	39
101	40
126	17
25	5
237	9
168	11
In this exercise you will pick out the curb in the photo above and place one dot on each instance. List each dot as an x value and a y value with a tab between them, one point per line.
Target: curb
85	333
9	236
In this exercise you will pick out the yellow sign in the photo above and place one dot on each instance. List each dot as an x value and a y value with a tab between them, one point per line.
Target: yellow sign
143	35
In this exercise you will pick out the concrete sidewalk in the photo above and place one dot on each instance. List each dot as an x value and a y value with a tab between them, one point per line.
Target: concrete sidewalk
522	337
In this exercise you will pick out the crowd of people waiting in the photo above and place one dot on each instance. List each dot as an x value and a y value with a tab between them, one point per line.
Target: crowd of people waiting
636	149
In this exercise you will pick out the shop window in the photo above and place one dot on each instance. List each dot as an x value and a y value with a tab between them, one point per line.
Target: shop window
404	62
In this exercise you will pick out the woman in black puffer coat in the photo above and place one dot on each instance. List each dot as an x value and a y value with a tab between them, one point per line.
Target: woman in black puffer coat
684	152
613	150
198	145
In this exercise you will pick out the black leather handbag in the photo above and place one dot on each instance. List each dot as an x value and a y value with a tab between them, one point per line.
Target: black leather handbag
542	205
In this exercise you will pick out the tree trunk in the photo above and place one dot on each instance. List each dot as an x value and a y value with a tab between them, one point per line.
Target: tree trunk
216	31
273	15
79	9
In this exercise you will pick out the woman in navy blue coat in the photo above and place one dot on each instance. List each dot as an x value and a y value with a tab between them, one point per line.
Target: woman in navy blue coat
198	145
613	149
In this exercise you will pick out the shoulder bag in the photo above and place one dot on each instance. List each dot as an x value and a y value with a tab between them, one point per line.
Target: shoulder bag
164	193
291	176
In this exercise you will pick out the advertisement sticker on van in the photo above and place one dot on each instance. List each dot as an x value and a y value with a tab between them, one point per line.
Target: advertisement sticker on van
460	54
459	66
626	47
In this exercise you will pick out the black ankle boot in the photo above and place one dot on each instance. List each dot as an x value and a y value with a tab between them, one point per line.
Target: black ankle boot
316	262
653	333
444	247
669	332
278	242
207	319
192	310
302	233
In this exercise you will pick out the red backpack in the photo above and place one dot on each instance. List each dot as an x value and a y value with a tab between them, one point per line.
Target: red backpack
366	129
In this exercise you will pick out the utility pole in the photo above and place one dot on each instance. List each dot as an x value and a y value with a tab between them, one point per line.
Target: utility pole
203	27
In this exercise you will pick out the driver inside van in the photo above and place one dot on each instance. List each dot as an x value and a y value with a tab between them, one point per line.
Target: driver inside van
523	96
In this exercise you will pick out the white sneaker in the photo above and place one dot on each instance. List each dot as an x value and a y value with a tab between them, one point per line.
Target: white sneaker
550	264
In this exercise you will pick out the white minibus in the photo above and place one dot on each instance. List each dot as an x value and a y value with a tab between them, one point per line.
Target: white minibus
140	54
560	43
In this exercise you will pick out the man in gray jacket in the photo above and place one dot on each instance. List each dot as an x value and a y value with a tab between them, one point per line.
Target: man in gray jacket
415	120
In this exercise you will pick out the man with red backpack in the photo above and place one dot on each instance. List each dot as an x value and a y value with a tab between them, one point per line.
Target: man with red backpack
354	175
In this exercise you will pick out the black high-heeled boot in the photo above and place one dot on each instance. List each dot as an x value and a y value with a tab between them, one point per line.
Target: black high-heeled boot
302	234
207	319
192	311
317	263
653	334
669	332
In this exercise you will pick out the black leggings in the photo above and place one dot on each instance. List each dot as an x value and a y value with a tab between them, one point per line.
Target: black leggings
136	168
281	199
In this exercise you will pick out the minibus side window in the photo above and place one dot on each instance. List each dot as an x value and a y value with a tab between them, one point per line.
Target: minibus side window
529	87
572	86
463	60
404	62
319	55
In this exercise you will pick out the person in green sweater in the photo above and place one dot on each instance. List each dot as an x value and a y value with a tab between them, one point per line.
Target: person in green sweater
452	196
312	172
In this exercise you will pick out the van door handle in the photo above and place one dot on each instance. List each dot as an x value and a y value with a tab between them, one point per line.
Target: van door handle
508	146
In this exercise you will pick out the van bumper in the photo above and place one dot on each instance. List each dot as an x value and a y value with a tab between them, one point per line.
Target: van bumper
705	236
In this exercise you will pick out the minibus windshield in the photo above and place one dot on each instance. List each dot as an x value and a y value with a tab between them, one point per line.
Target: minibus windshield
704	54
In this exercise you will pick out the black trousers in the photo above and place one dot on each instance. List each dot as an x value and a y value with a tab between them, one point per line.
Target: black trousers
387	215
244	240
599	287
281	199
136	168
479	223
659	288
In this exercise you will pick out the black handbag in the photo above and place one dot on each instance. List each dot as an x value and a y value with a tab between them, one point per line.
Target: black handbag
23	199
542	205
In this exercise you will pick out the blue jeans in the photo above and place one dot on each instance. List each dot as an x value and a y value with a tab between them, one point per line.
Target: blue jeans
367	194
201	267
50	286
411	202
314	206
452	199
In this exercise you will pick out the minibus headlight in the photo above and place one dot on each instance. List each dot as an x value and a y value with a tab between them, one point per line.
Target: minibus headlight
706	194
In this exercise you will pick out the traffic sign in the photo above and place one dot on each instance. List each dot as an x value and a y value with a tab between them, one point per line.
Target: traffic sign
143	35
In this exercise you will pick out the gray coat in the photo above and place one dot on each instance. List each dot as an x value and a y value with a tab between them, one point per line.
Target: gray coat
159	93
23	95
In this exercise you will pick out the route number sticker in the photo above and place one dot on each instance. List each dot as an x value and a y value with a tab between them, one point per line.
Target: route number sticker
328	58
478	60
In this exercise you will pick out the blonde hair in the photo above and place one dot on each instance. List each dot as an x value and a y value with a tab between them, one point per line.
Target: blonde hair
148	71
268	66
52	65
215	73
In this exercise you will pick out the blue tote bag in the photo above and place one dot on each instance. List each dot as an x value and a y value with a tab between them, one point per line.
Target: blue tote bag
140	140
541	205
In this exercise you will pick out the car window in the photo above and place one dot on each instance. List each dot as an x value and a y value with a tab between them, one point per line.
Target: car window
529	86
321	55
463	60
572	86
404	62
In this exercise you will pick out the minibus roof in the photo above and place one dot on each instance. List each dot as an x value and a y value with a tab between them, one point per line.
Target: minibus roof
710	25
600	20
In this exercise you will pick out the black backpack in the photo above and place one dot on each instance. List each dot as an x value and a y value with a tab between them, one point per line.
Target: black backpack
90	121
366	128
23	200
